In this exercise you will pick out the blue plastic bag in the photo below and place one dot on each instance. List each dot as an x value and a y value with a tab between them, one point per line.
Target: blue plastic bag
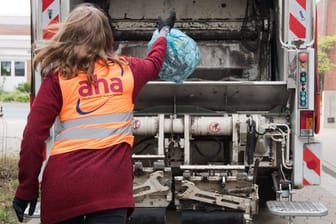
182	56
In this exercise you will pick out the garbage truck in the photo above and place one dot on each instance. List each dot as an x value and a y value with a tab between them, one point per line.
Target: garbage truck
236	135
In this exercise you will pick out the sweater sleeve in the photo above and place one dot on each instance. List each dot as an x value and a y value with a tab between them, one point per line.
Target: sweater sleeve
148	68
41	117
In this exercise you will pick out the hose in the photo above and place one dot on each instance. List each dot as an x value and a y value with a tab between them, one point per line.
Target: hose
251	140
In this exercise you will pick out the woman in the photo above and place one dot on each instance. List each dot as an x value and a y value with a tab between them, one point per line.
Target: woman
88	177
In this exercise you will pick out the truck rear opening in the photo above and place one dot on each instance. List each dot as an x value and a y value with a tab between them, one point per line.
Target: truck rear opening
237	45
234	37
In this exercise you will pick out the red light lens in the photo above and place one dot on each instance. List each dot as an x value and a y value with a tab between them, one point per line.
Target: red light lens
306	122
303	57
312	164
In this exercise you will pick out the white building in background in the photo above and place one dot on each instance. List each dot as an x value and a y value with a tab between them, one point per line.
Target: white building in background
327	27
15	51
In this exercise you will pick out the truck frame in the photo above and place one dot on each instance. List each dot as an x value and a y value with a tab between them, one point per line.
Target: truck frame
239	132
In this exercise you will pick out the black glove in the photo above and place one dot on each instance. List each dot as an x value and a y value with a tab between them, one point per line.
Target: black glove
20	206
168	22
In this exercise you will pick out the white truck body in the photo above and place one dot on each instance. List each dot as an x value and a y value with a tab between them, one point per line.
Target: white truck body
240	131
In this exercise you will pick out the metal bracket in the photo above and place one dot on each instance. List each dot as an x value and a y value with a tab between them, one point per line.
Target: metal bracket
285	191
194	193
151	185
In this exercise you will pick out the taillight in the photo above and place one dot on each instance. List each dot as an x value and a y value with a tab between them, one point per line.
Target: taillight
306	123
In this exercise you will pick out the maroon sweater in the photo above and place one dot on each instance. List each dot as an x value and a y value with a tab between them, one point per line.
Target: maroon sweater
85	180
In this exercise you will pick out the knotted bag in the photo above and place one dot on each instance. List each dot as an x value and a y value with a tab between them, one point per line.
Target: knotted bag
182	56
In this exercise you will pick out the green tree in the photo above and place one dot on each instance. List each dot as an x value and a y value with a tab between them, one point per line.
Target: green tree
325	45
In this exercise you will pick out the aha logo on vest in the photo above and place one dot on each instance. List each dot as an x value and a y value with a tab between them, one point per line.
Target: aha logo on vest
86	89
114	86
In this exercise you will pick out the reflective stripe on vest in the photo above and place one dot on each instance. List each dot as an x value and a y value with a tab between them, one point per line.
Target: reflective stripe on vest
94	130
87	133
96	116
98	120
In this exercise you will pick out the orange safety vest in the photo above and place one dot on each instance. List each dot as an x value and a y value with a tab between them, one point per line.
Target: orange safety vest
96	116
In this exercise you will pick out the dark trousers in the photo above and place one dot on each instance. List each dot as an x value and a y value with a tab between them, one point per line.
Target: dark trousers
113	216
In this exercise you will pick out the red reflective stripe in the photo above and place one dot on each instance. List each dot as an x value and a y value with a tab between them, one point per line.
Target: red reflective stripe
46	4
309	156
296	27
305	182
302	3
48	32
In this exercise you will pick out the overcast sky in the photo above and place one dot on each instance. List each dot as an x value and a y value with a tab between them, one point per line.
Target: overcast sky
14	7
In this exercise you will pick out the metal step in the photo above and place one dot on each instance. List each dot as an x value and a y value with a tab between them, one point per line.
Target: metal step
297	208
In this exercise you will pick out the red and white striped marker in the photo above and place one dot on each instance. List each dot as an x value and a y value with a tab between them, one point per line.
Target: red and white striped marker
312	164
297	20
50	15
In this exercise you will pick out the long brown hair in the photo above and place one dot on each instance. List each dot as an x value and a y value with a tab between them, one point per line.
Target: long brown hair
84	38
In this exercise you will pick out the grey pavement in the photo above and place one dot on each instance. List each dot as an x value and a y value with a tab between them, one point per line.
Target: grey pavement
12	123
10	136
327	137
